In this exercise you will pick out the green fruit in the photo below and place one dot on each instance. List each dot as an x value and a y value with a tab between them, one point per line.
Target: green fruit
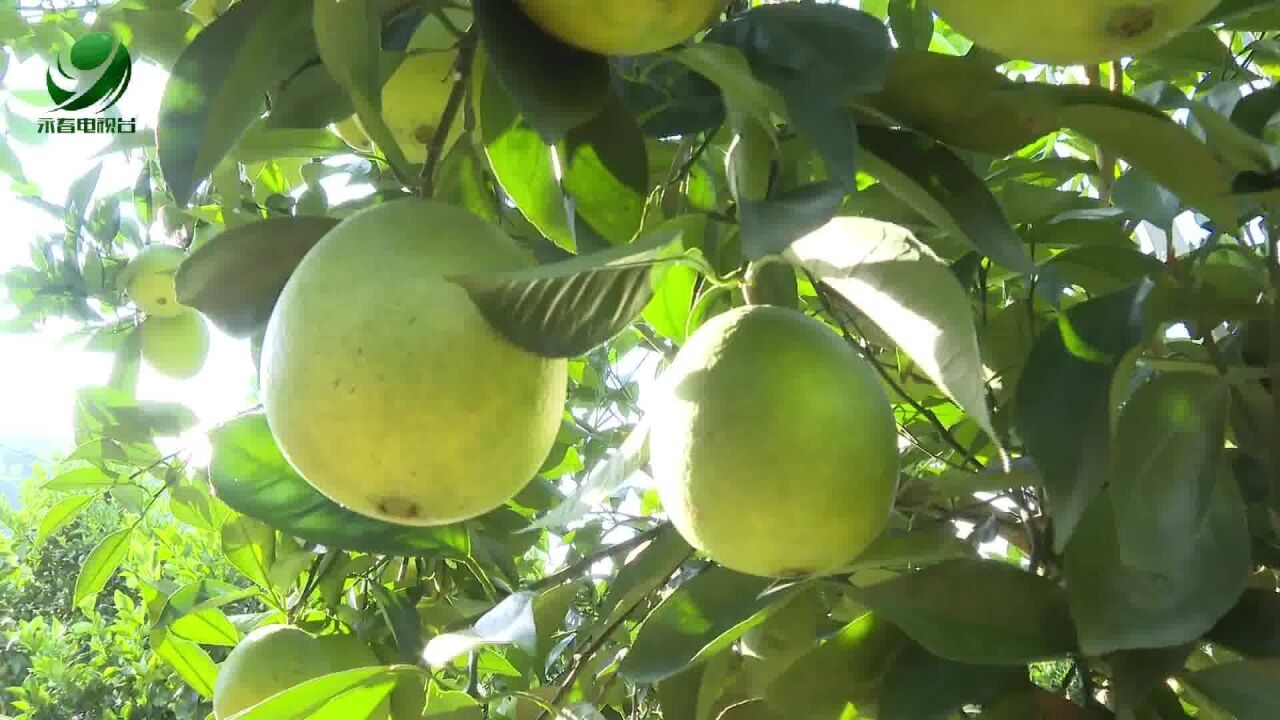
622	27
148	280
274	658
414	97
773	445
385	386
748	164
176	346
1069	32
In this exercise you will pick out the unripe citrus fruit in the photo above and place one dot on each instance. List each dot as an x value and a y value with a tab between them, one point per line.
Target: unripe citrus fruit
773	444
176	346
385	386
622	27
149	280
274	658
1068	32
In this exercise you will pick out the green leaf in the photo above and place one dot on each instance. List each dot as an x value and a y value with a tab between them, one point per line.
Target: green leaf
1252	627
192	612
728	68
250	546
1169	600
1255	110
923	686
703	616
749	710
216	88
1063	400
549	610
82	478
403	621
910	295
1166	151
917	547
261	143
1171	431
770	226
250	474
188	659
644	573
520	160
100	565
606	172
923	169
349	37
235	278
510	622
556	87
566	308
61	515
1250	689
668	310
844	673
1136	675
1002	615
347	695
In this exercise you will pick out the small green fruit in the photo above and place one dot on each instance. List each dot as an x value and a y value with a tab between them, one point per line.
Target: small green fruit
622	27
149	280
773	445
176	346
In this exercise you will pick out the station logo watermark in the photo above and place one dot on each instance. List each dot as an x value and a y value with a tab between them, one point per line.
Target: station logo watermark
85	82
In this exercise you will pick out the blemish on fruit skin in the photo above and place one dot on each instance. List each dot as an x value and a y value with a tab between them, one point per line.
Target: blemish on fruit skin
1131	22
398	507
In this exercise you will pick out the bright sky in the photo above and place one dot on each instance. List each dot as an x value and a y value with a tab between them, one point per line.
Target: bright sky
39	373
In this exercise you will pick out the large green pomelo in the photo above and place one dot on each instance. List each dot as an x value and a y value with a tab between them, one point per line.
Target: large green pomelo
385	386
622	27
1069	32
176	346
148	280
274	658
773	444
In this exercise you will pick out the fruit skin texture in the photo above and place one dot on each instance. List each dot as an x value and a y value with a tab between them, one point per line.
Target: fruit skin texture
773	444
622	27
274	658
1069	32
414	97
384	385
176	346
149	280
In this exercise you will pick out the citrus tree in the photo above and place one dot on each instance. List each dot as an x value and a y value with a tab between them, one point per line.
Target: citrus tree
635	359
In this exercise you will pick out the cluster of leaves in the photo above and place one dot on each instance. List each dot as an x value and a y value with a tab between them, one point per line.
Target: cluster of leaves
1068	281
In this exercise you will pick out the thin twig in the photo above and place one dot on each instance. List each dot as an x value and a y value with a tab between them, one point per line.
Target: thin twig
461	74
584	565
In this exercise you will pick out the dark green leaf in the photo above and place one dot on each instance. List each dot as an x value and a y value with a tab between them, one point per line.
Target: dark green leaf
1171	432
1252	627
250	474
771	226
923	686
235	278
403	620
216	88
1136	674
564	309
1062	403
977	611
702	617
1250	690
1170	600
667	97
555	87
969	210
845	672
1255	110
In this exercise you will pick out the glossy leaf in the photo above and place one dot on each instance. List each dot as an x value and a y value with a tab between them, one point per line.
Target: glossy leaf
770	226
1249	689
1063	399
510	622
235	278
844	673
62	514
347	695
606	172
250	474
188	659
703	616
100	565
911	296
1004	615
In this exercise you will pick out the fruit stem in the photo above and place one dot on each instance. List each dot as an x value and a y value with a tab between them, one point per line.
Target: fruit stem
461	74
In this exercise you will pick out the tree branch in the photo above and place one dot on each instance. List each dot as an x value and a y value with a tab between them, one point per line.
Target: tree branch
584	565
461	74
